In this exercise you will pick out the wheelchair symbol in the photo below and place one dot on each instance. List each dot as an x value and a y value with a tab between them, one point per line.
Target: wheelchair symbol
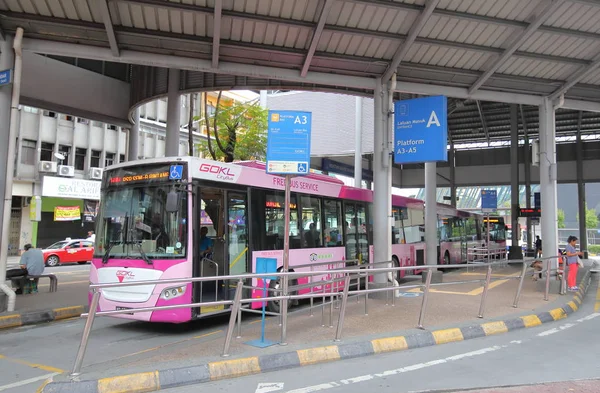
176	172
302	168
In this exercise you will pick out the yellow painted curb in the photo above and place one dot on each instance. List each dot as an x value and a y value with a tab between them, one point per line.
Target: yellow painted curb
491	328
531	321
318	355
558	313
134	383
574	306
9	321
389	344
447	336
233	368
67	312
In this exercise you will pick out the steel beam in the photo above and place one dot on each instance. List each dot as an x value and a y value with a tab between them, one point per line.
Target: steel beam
216	33
546	13
316	35
577	77
414	31
483	123
108	25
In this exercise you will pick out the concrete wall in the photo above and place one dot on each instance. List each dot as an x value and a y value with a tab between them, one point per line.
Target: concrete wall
58	86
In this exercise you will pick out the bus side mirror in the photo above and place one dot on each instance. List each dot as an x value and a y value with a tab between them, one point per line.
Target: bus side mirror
172	204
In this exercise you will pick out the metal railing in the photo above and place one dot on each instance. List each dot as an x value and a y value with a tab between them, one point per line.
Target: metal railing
335	279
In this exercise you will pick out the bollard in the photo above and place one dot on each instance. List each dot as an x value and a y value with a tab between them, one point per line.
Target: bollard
239	323
518	294
234	312
86	333
425	299
488	277
367	293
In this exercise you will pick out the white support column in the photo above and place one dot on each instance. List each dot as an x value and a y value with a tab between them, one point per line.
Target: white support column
549	221
134	137
515	251
263	99
452	162
173	114
358	143
381	229
431	242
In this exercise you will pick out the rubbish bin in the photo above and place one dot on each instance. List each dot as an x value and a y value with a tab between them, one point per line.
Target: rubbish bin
3	302
530	253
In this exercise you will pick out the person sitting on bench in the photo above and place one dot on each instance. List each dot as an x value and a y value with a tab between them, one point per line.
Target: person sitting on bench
31	264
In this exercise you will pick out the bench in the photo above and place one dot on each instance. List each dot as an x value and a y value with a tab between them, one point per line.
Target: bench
53	280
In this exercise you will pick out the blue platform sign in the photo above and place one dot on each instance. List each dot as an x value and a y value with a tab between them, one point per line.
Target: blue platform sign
489	201
288	143
176	172
421	130
5	77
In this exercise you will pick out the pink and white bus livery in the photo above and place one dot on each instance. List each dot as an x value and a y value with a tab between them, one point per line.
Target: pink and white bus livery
151	213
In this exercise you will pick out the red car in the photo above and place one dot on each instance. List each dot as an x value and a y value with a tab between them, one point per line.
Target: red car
69	251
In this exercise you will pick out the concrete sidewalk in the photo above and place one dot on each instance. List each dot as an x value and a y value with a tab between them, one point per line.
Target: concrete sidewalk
451	316
69	301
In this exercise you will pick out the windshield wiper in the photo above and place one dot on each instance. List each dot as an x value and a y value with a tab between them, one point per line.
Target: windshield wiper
106	255
143	254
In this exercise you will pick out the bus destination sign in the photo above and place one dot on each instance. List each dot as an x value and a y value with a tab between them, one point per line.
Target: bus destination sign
145	174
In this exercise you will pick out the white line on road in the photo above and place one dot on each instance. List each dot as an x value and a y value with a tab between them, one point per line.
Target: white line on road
26	381
418	366
587	318
269	387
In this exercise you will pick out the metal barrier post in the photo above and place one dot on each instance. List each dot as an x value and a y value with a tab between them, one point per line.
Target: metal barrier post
518	294
367	293
239	323
86	334
234	312
425	299
547	291
488	277
331	305
310	279
563	279
338	332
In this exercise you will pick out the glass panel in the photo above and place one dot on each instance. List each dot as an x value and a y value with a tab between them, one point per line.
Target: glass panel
332	227
134	219
350	231
238	234
311	220
361	230
275	223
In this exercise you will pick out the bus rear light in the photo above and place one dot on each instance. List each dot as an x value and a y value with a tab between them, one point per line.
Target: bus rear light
171	293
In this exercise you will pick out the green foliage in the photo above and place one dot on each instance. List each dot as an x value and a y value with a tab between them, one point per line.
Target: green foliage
591	219
594	249
561	218
241	132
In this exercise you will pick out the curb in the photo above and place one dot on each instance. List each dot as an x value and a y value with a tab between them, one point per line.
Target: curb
35	317
156	380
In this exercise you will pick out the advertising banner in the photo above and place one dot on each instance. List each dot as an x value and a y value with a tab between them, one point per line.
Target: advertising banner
67	213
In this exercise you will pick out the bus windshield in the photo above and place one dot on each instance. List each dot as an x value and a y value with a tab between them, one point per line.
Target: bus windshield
133	223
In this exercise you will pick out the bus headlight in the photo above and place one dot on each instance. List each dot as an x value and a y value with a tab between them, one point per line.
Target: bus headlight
171	293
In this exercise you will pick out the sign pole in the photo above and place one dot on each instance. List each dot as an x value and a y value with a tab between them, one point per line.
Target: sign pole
488	238
286	258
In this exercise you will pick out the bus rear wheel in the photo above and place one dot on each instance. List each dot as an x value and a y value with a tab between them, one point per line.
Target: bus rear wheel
275	285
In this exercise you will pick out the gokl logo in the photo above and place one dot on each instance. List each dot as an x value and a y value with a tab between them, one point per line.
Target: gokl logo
125	274
313	257
221	172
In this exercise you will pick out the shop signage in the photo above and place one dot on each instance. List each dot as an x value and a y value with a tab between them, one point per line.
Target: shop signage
67	213
62	187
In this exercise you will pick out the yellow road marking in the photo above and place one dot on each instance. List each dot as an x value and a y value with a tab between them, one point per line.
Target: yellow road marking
494	284
483	274
474	292
447	336
234	367
597	307
389	344
32	365
318	355
142	382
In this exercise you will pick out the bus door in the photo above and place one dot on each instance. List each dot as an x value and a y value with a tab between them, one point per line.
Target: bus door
236	239
357	240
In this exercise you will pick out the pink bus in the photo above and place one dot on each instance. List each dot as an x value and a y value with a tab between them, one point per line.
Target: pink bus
152	213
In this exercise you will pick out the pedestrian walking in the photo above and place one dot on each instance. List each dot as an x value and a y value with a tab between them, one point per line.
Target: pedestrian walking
573	262
538	247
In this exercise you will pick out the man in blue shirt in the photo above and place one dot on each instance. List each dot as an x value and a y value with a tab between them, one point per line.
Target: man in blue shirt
32	264
206	243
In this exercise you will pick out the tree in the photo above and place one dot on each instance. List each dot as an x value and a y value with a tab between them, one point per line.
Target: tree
561	218
591	219
238	128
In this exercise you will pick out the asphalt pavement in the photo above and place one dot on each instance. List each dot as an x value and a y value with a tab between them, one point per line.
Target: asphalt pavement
566	350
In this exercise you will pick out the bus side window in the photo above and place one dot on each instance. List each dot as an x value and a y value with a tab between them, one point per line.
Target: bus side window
332	224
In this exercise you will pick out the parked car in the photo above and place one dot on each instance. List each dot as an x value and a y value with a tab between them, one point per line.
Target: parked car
69	251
